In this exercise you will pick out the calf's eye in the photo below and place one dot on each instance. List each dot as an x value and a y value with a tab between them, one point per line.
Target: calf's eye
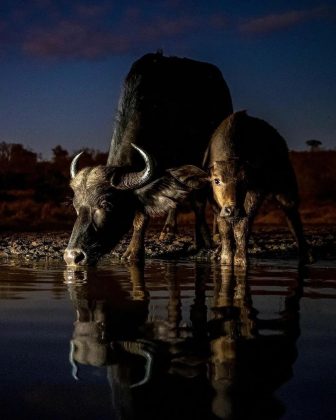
217	181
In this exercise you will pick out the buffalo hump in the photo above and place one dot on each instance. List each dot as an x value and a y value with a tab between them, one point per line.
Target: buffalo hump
170	107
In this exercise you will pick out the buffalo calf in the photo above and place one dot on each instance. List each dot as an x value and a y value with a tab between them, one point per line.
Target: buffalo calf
248	160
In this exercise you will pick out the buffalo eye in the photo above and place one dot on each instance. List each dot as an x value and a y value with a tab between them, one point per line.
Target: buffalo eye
217	181
99	218
105	205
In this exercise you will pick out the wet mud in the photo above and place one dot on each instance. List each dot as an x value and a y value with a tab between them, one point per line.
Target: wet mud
265	242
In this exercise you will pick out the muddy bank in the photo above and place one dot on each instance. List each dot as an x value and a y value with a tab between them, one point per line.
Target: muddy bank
264	243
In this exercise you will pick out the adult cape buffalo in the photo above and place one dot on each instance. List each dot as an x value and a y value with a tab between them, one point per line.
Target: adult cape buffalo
167	112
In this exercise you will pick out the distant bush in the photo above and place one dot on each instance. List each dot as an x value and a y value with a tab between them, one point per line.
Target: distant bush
316	175
34	193
29	215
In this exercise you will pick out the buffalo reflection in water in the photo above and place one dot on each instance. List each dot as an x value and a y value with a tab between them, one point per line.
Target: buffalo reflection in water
221	364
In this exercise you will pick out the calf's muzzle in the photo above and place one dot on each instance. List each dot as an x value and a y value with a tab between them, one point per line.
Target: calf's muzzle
227	211
232	212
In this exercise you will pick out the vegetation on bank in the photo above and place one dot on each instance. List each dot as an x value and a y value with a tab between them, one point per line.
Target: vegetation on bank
316	176
35	193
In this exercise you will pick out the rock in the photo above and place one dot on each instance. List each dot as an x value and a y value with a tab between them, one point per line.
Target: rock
266	243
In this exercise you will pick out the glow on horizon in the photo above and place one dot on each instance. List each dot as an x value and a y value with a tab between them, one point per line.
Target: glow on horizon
63	63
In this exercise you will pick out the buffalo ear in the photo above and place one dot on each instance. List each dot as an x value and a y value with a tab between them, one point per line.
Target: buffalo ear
116	176
191	176
167	192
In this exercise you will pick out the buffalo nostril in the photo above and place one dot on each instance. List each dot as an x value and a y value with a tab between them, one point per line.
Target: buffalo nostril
227	211
80	256
75	256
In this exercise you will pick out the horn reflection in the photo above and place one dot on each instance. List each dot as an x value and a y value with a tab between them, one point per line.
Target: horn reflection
202	347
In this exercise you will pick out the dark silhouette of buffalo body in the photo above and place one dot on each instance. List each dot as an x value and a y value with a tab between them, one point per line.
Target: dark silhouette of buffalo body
168	110
248	160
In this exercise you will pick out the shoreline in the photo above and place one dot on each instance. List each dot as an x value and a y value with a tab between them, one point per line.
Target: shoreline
265	242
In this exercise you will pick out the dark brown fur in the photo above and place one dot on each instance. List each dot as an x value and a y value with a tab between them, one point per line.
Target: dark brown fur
248	160
169	107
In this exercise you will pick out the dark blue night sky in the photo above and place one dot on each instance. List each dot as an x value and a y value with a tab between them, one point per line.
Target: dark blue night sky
62	63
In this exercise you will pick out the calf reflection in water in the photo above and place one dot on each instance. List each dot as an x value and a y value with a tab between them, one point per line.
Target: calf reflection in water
218	364
251	358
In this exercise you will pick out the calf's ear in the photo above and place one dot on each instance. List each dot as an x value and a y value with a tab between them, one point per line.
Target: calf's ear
173	188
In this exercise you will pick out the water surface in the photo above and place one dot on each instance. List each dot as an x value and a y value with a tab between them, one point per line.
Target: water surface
170	340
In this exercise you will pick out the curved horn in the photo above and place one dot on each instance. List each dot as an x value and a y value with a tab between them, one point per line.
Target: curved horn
73	166
74	366
133	180
138	348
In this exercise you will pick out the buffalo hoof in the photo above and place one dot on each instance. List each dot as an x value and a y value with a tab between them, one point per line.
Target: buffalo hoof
307	257
226	259
216	255
131	255
203	254
167	236
240	261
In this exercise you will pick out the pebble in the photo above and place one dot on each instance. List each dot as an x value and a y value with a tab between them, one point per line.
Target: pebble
265	243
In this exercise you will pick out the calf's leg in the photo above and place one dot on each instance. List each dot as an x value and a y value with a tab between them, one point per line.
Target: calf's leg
290	208
225	232
241	232
242	228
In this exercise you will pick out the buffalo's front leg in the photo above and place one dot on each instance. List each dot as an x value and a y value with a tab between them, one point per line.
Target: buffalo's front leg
202	233
170	227
135	250
225	232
